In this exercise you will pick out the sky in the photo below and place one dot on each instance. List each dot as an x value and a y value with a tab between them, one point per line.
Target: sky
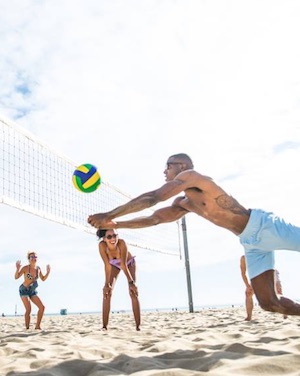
125	84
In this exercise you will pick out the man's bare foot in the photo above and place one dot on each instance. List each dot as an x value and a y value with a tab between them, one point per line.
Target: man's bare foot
38	328
138	328
104	328
248	319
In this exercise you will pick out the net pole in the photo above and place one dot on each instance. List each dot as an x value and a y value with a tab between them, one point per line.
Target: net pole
187	265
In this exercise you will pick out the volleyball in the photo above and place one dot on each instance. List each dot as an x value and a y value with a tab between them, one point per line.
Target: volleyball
86	178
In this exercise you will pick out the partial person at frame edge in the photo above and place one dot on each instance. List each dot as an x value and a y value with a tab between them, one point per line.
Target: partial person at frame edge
249	290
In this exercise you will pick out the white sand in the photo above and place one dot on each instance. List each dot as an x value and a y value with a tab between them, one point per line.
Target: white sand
215	342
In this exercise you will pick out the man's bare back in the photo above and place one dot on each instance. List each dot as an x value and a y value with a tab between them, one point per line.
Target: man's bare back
214	204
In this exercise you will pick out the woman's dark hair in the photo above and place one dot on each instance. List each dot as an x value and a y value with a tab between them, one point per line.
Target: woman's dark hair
101	233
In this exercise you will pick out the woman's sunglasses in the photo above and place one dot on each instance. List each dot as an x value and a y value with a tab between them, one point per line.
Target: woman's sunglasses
111	236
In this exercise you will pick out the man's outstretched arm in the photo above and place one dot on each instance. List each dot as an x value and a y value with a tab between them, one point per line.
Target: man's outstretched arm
164	215
141	202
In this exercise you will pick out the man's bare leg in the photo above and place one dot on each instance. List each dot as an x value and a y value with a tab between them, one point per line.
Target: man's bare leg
264	289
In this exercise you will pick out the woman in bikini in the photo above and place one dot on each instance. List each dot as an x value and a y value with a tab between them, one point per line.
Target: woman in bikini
116	257
27	290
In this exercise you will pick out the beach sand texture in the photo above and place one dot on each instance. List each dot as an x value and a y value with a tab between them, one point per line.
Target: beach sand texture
217	342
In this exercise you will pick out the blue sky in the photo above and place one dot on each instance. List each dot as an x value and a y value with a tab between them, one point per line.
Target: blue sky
123	85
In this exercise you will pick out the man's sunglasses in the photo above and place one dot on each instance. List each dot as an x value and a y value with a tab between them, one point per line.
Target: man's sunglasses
169	164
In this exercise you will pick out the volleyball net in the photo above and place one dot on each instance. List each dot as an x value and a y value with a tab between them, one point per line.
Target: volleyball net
38	180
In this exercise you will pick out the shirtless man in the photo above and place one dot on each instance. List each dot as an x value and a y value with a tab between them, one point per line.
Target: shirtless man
259	232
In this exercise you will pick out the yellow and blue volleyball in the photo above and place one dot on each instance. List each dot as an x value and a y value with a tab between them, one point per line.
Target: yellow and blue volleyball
86	178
